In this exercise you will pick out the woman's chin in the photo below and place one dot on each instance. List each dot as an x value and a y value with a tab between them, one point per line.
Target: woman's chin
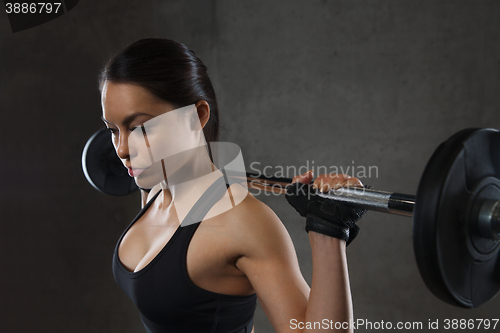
148	185
148	181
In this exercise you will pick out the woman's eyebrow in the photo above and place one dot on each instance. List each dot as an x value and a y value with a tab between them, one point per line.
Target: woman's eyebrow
128	119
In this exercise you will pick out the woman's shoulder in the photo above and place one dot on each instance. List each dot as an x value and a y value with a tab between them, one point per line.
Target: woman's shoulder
250	211
253	225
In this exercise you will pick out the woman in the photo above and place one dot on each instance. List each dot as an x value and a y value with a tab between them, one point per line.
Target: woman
206	277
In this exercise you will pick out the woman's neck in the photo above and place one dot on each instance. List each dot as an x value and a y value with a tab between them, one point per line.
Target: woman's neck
184	186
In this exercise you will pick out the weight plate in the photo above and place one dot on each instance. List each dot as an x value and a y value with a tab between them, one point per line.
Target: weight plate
103	168
457	265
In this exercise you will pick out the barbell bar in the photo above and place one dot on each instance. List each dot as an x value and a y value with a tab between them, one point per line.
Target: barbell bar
456	211
367	198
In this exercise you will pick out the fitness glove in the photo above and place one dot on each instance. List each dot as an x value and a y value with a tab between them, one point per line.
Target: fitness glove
328	217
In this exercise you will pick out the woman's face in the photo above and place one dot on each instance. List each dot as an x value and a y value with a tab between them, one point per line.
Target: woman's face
144	131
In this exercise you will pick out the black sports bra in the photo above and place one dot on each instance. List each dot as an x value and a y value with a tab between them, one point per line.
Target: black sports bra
168	301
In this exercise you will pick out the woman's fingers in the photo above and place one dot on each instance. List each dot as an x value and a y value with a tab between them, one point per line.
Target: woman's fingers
326	182
305	178
354	182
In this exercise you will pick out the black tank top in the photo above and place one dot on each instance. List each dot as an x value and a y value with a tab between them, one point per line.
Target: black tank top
167	299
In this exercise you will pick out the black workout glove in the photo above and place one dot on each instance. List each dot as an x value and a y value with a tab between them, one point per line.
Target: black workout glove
324	216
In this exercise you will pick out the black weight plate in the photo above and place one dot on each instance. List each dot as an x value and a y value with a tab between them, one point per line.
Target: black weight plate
103	168
446	250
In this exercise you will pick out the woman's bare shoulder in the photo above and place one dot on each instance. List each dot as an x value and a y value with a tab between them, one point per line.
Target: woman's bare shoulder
251	212
256	227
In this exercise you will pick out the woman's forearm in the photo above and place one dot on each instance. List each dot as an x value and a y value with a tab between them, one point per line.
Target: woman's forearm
330	297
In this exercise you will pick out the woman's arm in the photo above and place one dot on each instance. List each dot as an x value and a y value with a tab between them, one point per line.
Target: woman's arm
330	296
271	265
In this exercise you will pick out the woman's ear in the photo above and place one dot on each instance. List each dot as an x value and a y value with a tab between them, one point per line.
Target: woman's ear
203	110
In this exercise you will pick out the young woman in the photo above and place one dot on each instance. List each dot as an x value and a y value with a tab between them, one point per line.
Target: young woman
206	277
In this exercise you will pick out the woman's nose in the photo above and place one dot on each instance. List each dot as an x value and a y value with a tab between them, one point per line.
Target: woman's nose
121	146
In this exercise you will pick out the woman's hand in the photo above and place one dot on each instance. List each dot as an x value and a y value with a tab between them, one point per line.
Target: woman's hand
326	182
324	216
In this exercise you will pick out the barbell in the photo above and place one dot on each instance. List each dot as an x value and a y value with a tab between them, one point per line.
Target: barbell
456	211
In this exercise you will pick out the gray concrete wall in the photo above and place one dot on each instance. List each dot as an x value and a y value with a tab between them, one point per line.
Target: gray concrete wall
340	83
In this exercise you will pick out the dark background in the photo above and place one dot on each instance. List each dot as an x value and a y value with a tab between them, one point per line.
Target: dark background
380	83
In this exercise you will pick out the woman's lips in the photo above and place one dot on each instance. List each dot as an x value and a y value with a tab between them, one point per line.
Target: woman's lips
135	172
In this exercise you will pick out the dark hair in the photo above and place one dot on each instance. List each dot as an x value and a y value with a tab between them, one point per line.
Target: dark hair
170	71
